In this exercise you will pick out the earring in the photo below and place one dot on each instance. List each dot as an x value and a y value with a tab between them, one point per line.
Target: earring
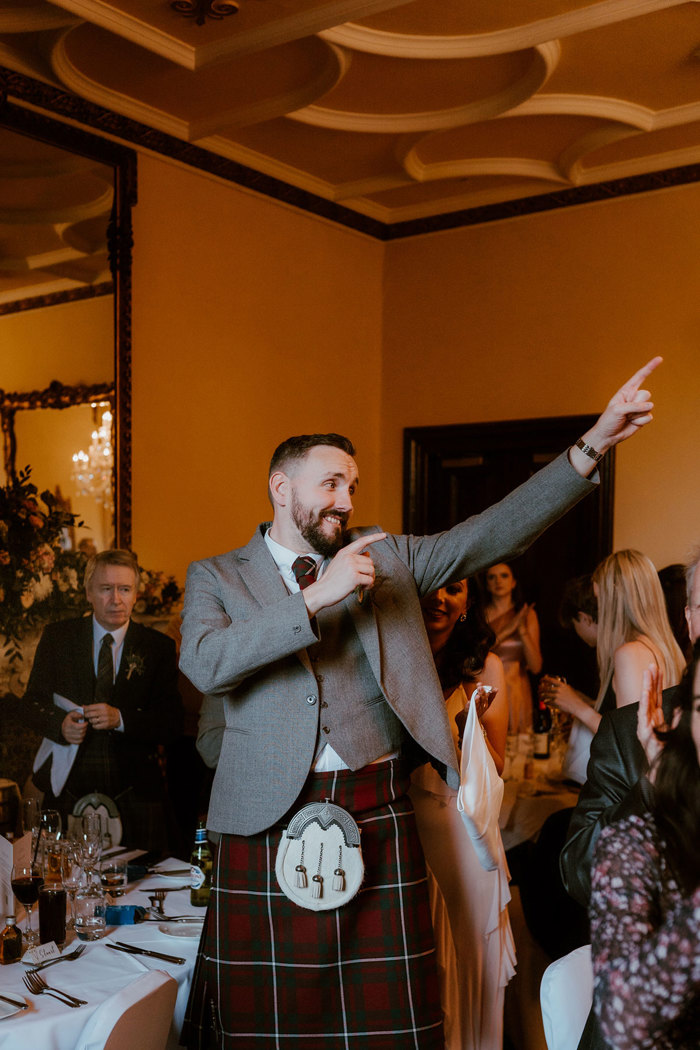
463	617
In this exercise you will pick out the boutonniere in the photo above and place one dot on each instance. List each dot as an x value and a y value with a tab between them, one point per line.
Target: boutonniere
134	664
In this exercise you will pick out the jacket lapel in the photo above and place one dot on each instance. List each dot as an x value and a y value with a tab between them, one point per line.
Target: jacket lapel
85	664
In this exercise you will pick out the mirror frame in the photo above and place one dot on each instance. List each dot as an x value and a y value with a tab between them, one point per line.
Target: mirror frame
24	104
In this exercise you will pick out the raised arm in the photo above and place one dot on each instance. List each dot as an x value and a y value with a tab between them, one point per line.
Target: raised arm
626	413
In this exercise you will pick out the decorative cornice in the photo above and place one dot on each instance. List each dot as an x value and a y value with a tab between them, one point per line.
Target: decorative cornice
71	295
66	106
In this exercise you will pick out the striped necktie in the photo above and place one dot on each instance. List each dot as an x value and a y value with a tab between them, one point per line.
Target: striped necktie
104	682
304	569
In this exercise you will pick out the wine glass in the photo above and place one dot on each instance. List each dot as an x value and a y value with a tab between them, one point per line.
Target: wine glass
31	820
72	862
92	842
51	824
26	881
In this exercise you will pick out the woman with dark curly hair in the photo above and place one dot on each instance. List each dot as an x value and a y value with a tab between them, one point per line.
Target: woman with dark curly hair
476	955
645	903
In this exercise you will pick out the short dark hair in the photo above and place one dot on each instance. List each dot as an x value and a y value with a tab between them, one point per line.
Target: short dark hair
112	557
578	597
296	448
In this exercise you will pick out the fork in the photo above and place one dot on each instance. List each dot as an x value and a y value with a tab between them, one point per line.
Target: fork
37	986
64	958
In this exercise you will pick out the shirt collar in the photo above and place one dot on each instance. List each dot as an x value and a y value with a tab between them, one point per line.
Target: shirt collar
284	557
98	633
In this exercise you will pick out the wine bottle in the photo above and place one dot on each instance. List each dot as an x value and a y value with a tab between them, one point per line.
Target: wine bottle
201	864
542	725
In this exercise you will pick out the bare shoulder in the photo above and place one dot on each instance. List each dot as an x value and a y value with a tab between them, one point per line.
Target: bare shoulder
635	653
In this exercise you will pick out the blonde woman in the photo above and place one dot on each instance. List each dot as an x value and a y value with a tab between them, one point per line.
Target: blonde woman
633	632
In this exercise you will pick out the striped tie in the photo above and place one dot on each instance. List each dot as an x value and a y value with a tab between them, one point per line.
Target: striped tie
104	682
304	569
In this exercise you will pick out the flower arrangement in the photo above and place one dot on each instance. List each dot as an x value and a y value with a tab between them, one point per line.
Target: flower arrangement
38	580
158	594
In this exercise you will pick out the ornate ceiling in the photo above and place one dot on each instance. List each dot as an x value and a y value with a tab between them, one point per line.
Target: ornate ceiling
399	112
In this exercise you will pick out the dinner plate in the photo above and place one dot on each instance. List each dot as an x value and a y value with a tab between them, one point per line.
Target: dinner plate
9	1011
181	929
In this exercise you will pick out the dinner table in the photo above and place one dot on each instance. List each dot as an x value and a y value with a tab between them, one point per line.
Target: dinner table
102	971
534	789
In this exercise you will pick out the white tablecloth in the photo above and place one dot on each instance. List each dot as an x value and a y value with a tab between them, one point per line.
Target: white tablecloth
98	973
529	800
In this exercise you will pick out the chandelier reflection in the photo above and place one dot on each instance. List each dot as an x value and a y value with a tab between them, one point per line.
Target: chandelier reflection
93	470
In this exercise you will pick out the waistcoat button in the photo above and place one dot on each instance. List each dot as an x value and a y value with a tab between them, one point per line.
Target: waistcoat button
311	699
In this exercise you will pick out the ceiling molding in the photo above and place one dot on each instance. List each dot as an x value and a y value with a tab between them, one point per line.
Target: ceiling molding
515	38
231	41
366	216
544	59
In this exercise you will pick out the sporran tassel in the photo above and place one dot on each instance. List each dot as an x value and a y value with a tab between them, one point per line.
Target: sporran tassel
317	886
339	874
301	880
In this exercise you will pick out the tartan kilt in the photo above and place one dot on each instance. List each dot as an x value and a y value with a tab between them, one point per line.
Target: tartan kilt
363	977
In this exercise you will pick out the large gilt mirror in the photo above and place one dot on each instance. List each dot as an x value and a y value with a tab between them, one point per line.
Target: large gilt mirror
65	315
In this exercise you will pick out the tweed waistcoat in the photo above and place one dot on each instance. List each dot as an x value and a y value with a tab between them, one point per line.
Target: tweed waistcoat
354	717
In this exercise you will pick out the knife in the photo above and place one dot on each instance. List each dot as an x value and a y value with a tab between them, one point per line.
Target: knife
13	1002
168	872
166	889
120	946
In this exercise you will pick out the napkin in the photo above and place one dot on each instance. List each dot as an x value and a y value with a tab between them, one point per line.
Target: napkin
63	754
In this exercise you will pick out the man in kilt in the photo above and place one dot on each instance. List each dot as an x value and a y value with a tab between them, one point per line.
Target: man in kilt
313	637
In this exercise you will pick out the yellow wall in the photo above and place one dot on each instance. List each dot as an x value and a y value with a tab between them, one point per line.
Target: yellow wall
237	300
237	297
72	342
547	315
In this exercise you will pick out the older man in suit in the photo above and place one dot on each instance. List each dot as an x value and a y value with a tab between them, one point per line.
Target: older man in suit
103	689
313	637
617	787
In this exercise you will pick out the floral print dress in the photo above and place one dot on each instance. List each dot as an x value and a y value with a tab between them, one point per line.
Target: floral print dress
645	941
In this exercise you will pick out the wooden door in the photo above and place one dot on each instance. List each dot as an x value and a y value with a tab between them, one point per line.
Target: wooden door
452	472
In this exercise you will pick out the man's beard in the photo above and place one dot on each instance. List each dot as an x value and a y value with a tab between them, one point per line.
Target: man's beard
309	525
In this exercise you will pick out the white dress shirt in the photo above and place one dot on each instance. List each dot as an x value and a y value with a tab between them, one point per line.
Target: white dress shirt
98	633
328	759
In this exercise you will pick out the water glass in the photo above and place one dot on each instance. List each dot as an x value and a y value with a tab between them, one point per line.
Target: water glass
90	908
113	877
72	871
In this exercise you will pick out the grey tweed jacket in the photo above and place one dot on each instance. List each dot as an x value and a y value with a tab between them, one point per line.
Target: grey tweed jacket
244	638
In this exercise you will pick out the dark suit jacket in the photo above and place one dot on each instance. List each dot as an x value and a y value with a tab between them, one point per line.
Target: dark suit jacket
615	788
145	691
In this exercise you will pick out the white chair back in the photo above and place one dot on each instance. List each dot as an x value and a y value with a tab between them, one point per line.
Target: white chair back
139	1015
566	997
